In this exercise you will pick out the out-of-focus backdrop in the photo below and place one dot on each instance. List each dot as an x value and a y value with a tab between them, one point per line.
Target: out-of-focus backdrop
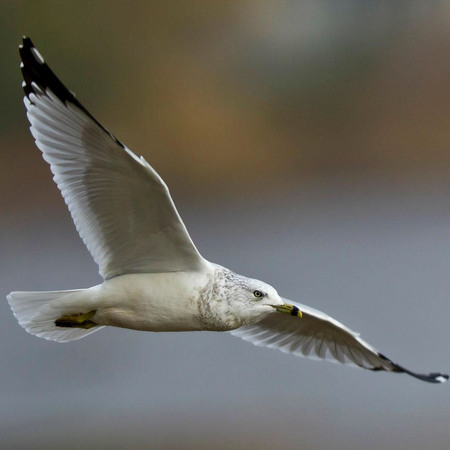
306	143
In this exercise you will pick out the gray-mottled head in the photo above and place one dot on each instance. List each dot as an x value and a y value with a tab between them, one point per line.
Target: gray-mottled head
235	300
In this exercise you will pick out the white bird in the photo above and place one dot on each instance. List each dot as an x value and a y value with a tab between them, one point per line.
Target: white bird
154	277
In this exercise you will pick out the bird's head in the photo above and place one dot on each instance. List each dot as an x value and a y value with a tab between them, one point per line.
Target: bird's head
264	299
249	300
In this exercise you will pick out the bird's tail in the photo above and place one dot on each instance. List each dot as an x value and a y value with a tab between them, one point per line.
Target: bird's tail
60	316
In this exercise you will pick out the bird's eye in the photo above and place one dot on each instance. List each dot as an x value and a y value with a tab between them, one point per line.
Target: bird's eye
258	294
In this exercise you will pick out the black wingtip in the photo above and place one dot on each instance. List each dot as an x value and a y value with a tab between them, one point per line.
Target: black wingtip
36	72
26	41
437	378
434	377
27	44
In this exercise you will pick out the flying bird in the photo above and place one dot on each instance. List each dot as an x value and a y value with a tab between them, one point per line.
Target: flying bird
154	278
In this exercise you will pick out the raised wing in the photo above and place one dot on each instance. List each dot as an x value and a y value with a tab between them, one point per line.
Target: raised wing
121	207
318	336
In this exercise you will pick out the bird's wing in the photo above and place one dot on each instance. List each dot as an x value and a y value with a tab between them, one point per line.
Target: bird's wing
121	207
318	336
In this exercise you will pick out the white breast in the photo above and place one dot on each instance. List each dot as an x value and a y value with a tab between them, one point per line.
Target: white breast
152	302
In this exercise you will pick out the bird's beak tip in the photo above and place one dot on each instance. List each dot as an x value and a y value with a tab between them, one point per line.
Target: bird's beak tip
287	308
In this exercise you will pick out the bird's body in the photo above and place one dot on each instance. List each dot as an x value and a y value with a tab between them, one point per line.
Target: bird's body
150	302
171	301
154	277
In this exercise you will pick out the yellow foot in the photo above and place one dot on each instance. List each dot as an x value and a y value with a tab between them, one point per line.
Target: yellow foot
79	320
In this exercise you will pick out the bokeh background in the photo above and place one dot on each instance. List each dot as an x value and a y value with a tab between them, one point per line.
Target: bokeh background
306	143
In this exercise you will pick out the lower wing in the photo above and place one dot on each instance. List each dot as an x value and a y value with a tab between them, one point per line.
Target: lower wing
318	336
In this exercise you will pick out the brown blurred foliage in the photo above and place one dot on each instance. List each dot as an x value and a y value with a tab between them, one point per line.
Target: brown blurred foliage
232	96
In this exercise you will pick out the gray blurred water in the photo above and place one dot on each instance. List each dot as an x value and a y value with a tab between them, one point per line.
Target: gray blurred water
375	256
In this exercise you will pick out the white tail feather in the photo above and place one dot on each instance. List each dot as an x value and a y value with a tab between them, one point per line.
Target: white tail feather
37	312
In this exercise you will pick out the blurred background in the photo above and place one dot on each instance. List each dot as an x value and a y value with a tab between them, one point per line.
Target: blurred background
306	143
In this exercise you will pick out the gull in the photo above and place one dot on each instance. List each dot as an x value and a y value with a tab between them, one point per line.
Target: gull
154	278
